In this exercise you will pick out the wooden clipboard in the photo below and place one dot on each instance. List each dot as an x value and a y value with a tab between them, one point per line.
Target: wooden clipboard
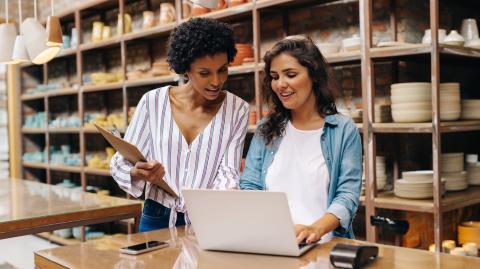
131	153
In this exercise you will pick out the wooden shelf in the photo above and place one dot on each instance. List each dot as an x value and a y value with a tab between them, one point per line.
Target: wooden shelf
103	87
65	168
96	171
450	201
60	92
34	130
58	240
37	165
426	127
425	49
101	44
64	130
28	97
67	52
228	12
343	57
151	81
150	32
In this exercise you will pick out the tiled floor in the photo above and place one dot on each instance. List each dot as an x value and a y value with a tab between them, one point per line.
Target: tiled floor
18	251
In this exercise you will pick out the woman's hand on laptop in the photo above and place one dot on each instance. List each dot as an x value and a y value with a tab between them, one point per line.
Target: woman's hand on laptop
309	234
151	171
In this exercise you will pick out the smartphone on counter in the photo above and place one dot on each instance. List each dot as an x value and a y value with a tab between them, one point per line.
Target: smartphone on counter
143	247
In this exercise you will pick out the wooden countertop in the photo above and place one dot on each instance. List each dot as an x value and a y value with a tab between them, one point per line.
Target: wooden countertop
28	207
184	252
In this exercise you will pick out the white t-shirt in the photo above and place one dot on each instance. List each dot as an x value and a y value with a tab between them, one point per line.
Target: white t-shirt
299	170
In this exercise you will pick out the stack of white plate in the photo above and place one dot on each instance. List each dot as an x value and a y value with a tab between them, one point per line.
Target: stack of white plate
452	162
455	181
473	174
381	174
415	185
450	108
471	109
411	102
452	168
383	113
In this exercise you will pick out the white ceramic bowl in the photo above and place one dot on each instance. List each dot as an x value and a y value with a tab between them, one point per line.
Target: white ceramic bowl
412	106
328	48
412	116
408	98
352	43
421	85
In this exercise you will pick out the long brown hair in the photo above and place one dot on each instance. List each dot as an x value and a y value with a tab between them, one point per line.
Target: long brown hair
324	85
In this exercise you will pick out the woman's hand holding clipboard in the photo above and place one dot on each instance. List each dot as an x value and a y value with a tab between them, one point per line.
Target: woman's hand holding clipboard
133	155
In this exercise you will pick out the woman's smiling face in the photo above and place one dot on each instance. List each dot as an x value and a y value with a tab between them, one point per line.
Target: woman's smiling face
291	82
207	75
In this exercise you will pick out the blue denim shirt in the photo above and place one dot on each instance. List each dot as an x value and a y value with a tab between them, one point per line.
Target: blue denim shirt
342	150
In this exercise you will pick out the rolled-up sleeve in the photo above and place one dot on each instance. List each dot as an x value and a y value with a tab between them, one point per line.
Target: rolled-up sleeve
138	133
228	174
347	195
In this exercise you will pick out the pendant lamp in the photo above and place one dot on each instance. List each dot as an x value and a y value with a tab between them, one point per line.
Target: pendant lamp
35	38
8	33
54	30
20	54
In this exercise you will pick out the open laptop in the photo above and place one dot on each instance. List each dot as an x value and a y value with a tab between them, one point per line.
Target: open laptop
243	221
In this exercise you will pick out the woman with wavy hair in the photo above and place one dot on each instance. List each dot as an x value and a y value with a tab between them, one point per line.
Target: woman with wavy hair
304	147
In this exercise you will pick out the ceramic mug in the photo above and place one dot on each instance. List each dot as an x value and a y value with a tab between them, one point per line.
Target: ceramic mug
107	32
148	19
167	13
469	29
128	23
97	31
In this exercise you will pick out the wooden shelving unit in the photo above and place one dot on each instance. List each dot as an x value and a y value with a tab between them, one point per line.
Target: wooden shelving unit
253	11
59	240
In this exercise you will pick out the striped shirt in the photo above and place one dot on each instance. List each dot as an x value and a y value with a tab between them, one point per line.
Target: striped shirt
211	161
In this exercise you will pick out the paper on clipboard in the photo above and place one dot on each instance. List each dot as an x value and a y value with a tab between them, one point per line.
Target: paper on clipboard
131	153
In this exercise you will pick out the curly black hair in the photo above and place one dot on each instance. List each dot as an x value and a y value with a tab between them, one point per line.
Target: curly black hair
324	85
196	38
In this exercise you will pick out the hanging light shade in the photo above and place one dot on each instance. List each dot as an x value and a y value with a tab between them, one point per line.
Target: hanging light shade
8	33
54	30
20	54
35	38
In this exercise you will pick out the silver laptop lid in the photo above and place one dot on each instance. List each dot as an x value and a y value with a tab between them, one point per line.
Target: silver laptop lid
242	221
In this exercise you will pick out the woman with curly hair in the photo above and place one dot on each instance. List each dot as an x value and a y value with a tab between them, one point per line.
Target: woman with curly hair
304	147
193	134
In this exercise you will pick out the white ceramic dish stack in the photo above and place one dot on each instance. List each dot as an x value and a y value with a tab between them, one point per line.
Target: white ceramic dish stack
473	174
452	162
415	185
450	108
411	102
381	172
328	48
455	181
352	43
471	109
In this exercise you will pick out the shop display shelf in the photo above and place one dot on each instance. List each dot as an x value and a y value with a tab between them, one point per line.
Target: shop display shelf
426	127
228	12
113	41
58	240
67	52
28	97
422	49
241	69
103	87
96	171
151	81
66	130
154	31
63	91
37	165
450	201
34	130
65	168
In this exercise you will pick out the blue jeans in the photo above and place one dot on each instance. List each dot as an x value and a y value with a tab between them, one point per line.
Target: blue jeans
156	216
